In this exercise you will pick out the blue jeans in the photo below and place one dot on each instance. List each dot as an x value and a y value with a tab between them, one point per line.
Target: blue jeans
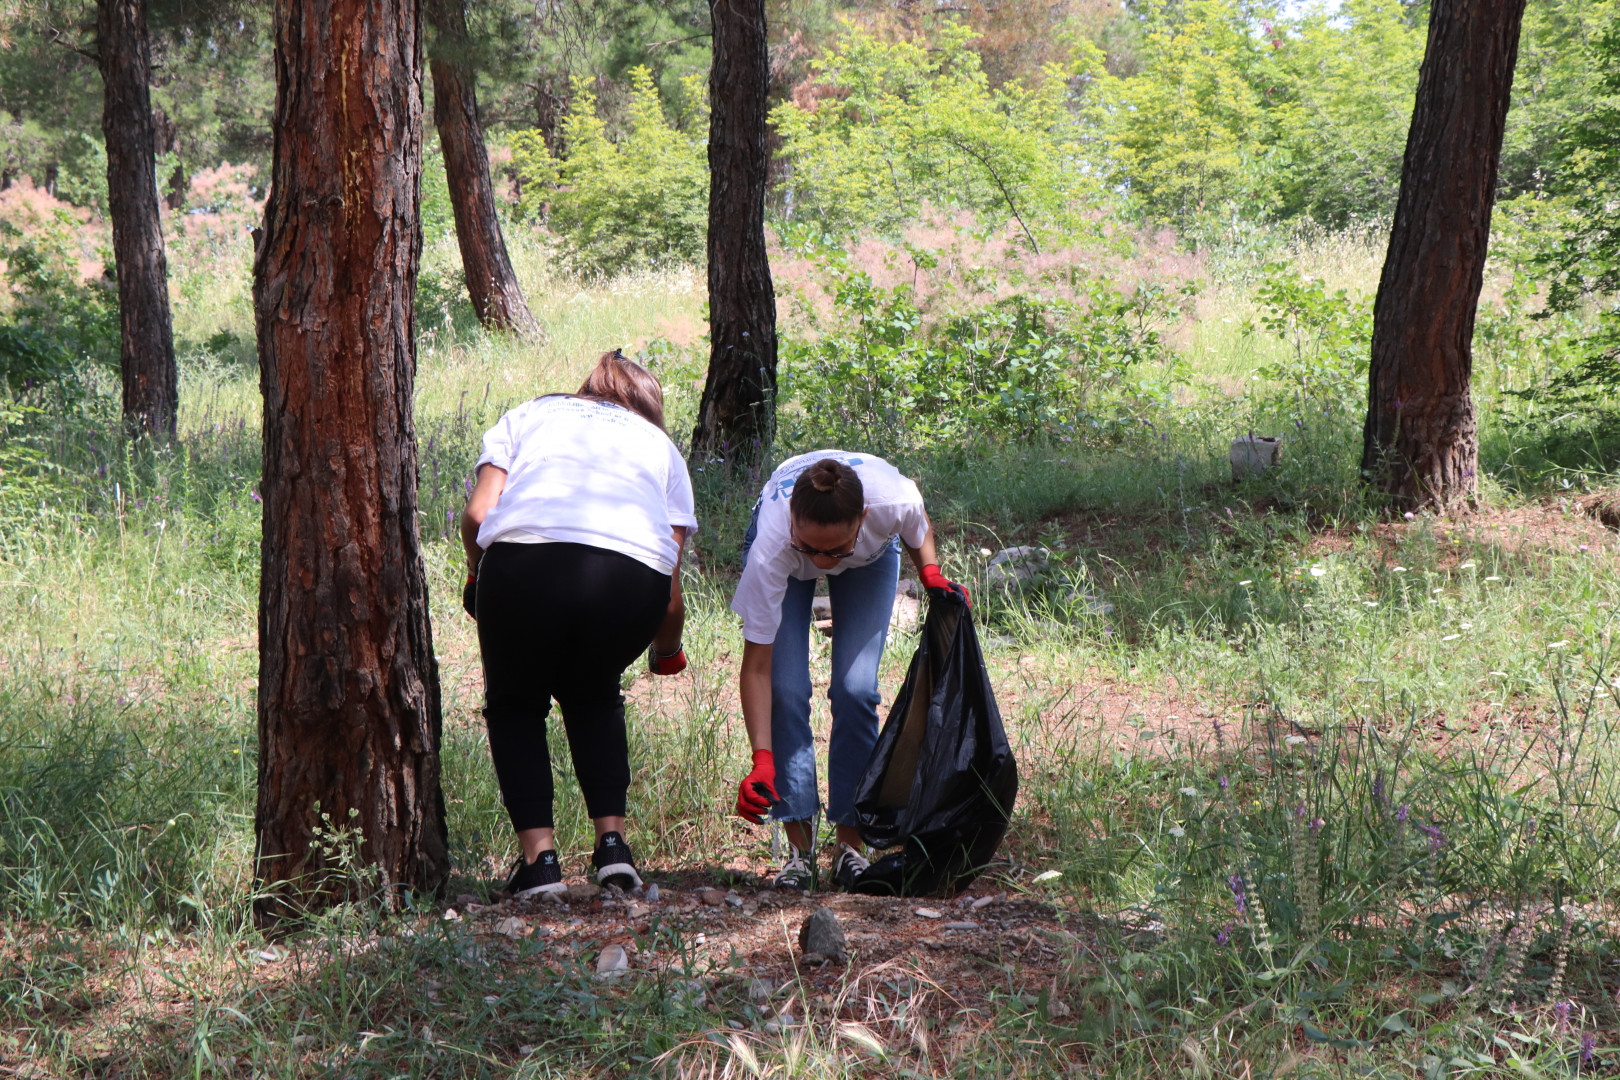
862	605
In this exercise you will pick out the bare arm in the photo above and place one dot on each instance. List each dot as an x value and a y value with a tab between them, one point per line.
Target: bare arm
487	492
668	638
924	554
756	694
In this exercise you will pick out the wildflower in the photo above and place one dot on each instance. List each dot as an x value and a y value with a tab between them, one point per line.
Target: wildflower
1588	1045
1236	883
1378	787
1224	935
1557	644
1316	825
1561	1011
1437	839
1220	742
1318	571
253	493
1409	516
1400	815
1223	783
1583	547
1397	569
1246	581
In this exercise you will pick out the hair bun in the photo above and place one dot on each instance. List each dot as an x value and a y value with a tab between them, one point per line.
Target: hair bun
824	476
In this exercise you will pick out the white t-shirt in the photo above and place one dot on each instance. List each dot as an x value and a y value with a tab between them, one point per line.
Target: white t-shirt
894	507
587	472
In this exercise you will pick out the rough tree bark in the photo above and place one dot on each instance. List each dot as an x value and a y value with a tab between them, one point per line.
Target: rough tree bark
736	418
146	332
491	283
349	721
1420	443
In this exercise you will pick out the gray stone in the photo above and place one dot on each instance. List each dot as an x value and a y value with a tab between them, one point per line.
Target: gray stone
652	893
1016	567
821	933
1253	455
759	991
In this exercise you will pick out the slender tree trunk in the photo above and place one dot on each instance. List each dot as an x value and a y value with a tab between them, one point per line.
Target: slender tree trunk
146	333
491	283
349	721
736	418
1420	441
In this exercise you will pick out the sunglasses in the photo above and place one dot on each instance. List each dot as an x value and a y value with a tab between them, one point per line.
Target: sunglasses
802	550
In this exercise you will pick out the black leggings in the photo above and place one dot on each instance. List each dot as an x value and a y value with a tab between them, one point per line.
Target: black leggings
562	621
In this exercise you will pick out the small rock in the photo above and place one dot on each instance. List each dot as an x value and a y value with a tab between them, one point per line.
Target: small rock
512	927
300	1041
581	891
551	898
734	900
451	915
1015	567
824	627
491	999
929	913
983	902
638	910
759	991
713	897
821	608
734	1025
821	933
750	908
689	995
465	900
961	926
1056	1010
612	961
525	1050
576	921
812	958
652	894
542	931
771	1027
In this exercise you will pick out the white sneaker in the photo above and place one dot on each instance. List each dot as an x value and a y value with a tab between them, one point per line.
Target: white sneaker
796	872
848	866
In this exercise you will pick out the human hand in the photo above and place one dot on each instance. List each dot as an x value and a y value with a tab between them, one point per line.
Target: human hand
469	595
666	663
938	584
757	792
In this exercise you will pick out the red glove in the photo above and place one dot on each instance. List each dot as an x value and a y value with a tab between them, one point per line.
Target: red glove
758	791
933	580
666	664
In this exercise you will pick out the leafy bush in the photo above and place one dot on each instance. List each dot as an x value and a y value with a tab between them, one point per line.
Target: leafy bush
914	124
1329	336
56	322
643	200
885	375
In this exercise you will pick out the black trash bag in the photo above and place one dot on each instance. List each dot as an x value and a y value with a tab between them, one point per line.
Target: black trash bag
942	780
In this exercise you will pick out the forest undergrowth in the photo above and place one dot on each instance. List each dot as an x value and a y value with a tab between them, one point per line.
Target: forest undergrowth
1306	789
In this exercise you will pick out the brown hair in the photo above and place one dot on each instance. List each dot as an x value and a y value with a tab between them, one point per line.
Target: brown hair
828	493
621	381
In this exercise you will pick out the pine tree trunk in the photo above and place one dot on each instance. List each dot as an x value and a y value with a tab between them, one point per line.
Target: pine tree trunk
1420	440
349	722
491	283
146	333
736	418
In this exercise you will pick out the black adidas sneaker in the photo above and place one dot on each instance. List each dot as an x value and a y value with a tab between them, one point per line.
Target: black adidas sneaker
613	862
531	878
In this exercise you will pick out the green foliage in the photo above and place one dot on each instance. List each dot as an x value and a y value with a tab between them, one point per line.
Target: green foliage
641	201
915	125
55	322
888	374
1328	337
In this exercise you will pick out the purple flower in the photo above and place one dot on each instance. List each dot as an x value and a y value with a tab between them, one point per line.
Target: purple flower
1236	882
1223	936
1561	1011
1378	787
253	493
1316	825
1224	784
1400	815
1588	1044
1220	740
1301	810
1530	831
1437	839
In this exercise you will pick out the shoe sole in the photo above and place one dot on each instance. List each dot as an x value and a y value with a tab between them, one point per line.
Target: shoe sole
617	874
555	886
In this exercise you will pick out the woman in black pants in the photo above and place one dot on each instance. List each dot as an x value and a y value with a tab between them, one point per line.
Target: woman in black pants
573	535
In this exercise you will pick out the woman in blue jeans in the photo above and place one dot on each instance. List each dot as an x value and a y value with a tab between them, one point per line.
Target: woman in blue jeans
844	516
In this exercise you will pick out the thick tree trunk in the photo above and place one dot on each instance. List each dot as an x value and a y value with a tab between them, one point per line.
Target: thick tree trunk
146	333
349	721
1420	441
736	418
491	283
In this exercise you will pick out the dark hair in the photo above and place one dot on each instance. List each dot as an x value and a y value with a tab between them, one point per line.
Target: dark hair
828	493
622	381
